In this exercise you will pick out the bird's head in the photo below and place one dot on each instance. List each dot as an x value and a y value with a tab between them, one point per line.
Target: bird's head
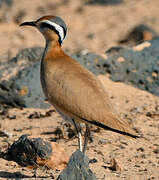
52	27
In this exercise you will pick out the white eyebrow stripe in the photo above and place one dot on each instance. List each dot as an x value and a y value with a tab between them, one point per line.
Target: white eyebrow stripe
57	27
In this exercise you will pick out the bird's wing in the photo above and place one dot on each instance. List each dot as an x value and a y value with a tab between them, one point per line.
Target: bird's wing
79	93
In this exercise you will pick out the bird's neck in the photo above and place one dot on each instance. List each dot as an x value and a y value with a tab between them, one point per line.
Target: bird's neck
52	49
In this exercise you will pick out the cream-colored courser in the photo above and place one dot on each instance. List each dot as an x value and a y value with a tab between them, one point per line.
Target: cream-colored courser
74	91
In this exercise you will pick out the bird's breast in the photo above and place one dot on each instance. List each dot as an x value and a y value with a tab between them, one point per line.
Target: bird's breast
52	81
43	75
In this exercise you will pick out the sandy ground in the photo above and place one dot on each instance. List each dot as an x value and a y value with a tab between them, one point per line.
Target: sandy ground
96	28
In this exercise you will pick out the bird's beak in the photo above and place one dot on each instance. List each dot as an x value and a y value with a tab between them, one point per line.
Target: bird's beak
31	23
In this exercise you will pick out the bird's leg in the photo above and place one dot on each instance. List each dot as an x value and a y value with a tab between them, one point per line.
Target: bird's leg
80	141
78	129
86	138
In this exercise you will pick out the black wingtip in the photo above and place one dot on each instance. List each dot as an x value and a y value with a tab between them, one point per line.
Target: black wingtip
115	130
111	129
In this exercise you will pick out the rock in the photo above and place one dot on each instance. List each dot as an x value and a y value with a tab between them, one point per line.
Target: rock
26	151
77	168
30	54
9	94
92	161
29	85
36	152
115	165
5	134
137	66
5	7
7	2
156	150
138	34
91	61
23	88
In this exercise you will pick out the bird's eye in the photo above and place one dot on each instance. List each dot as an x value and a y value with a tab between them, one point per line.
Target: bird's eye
43	25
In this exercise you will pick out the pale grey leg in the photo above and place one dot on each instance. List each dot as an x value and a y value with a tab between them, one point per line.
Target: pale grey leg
78	129
80	141
87	135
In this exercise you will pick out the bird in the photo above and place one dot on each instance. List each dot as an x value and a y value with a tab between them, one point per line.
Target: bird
75	92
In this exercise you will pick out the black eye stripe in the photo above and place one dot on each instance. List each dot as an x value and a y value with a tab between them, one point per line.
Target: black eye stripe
46	25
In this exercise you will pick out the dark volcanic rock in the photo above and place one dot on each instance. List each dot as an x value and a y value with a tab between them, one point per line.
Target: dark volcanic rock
138	66
5	13
35	153
9	94
31	54
7	2
27	151
138	34
23	89
91	61
77	168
